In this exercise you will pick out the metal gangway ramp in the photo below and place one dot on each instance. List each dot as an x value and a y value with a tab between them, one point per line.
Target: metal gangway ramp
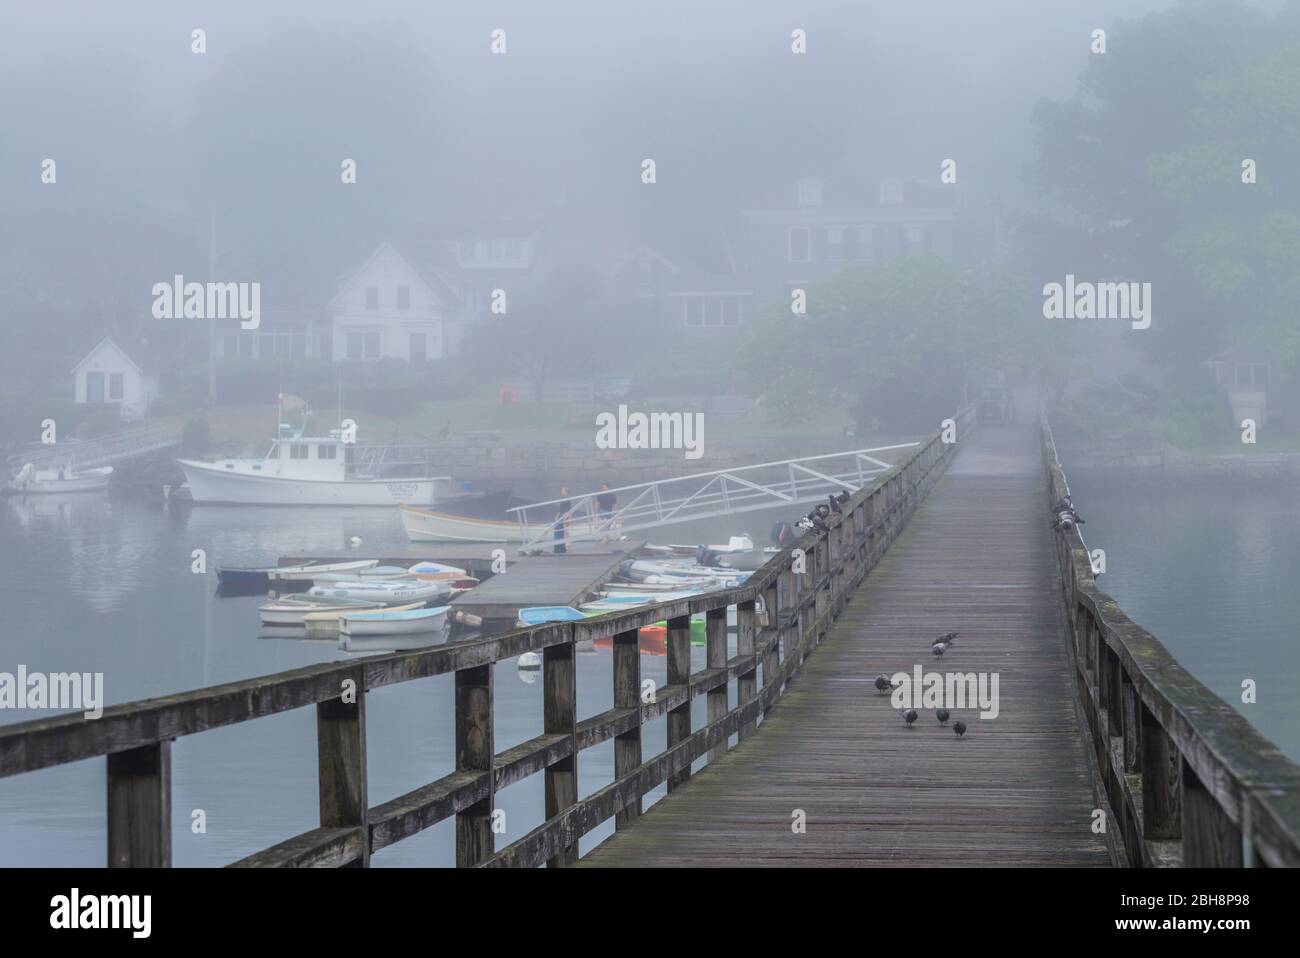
104	451
704	495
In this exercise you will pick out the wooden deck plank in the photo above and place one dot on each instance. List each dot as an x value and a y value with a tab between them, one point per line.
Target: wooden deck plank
976	558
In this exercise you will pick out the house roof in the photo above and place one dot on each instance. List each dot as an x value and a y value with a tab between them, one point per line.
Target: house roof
427	274
121	352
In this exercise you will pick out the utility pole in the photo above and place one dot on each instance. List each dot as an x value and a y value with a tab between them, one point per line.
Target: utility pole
212	326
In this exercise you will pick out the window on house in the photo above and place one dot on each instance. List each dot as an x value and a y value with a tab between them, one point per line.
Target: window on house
372	297
496	251
229	344
914	236
693	310
326	348
419	348
371	345
800	245
834	243
298	450
354	345
466	251
891	191
866	238
298	346
116	384
247	346
514	251
731	311
265	346
403	297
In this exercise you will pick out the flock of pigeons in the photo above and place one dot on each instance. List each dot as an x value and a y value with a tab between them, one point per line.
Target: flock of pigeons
885	686
815	521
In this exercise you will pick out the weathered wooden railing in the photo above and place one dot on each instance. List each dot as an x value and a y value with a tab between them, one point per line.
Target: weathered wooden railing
798	609
1192	781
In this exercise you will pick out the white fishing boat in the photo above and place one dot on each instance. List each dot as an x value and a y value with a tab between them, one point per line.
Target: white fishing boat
31	480
317	471
293	609
392	622
383	591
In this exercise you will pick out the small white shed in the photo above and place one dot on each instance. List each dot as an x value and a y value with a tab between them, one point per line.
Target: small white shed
108	376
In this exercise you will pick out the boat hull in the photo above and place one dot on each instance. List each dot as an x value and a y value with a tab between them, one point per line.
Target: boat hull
426	525
46	482
402	623
211	484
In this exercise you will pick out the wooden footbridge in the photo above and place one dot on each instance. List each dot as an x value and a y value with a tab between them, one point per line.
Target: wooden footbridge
1103	750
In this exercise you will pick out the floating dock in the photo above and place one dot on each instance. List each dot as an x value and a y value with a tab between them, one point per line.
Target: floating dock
546	579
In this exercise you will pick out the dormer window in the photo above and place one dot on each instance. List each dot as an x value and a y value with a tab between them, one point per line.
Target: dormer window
891	191
810	192
403	297
372	297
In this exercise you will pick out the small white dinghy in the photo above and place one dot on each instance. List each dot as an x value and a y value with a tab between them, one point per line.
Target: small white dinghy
393	622
33	480
293	609
308	572
383	591
326	622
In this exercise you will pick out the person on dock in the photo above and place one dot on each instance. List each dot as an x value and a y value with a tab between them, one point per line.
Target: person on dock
561	527
606	503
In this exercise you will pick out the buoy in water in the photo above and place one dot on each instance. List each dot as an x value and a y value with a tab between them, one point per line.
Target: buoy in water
355	542
530	660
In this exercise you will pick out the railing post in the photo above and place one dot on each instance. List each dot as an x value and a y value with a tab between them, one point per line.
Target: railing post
1132	709
341	764
747	681
140	807
1210	839
560	717
474	751
679	674
772	658
1161	799
715	638
627	694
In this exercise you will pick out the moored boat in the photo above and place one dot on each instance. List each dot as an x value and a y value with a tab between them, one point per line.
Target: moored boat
31	480
293	609
309	470
391	622
383	591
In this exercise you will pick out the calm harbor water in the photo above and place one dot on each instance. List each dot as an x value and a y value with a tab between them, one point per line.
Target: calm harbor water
1214	573
95	583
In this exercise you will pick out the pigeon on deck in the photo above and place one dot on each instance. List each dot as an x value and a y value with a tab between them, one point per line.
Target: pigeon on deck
942	716
909	717
959	727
